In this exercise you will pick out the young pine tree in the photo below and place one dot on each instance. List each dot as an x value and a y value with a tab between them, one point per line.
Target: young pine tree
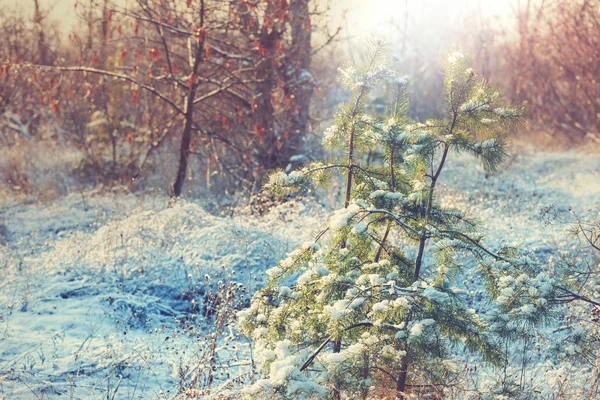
371	305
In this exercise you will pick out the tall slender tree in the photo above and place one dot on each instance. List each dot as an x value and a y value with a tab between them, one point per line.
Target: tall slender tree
42	46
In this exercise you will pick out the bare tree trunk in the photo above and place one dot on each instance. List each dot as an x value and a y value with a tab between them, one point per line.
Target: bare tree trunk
186	136
337	347
401	381
41	42
300	83
113	140
266	74
90	27
105	26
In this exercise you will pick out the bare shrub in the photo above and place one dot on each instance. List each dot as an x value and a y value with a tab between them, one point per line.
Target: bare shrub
15	175
551	64
42	169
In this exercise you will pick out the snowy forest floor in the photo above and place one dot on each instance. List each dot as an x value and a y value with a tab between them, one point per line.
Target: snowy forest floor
94	286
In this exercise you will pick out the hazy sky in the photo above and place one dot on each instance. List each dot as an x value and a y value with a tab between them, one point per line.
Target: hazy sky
364	15
370	14
60	10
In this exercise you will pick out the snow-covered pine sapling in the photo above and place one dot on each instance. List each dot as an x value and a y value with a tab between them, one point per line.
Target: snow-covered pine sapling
371	305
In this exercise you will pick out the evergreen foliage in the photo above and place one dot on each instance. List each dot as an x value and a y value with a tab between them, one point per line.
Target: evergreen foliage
372	307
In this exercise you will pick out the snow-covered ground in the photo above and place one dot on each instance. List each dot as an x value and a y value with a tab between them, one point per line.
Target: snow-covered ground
92	284
102	294
508	204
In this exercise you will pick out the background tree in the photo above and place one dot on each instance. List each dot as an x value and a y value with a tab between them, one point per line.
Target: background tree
234	76
21	94
547	60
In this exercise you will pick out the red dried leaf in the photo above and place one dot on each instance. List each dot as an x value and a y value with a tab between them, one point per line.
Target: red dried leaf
200	34
279	47
282	10
53	105
260	132
154	54
193	80
263	51
250	5
289	101
260	170
267	22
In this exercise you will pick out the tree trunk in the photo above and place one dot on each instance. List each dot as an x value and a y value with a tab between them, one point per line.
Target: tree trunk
337	347
266	73
401	381
105	26
300	84
42	47
186	138
90	27
419	260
